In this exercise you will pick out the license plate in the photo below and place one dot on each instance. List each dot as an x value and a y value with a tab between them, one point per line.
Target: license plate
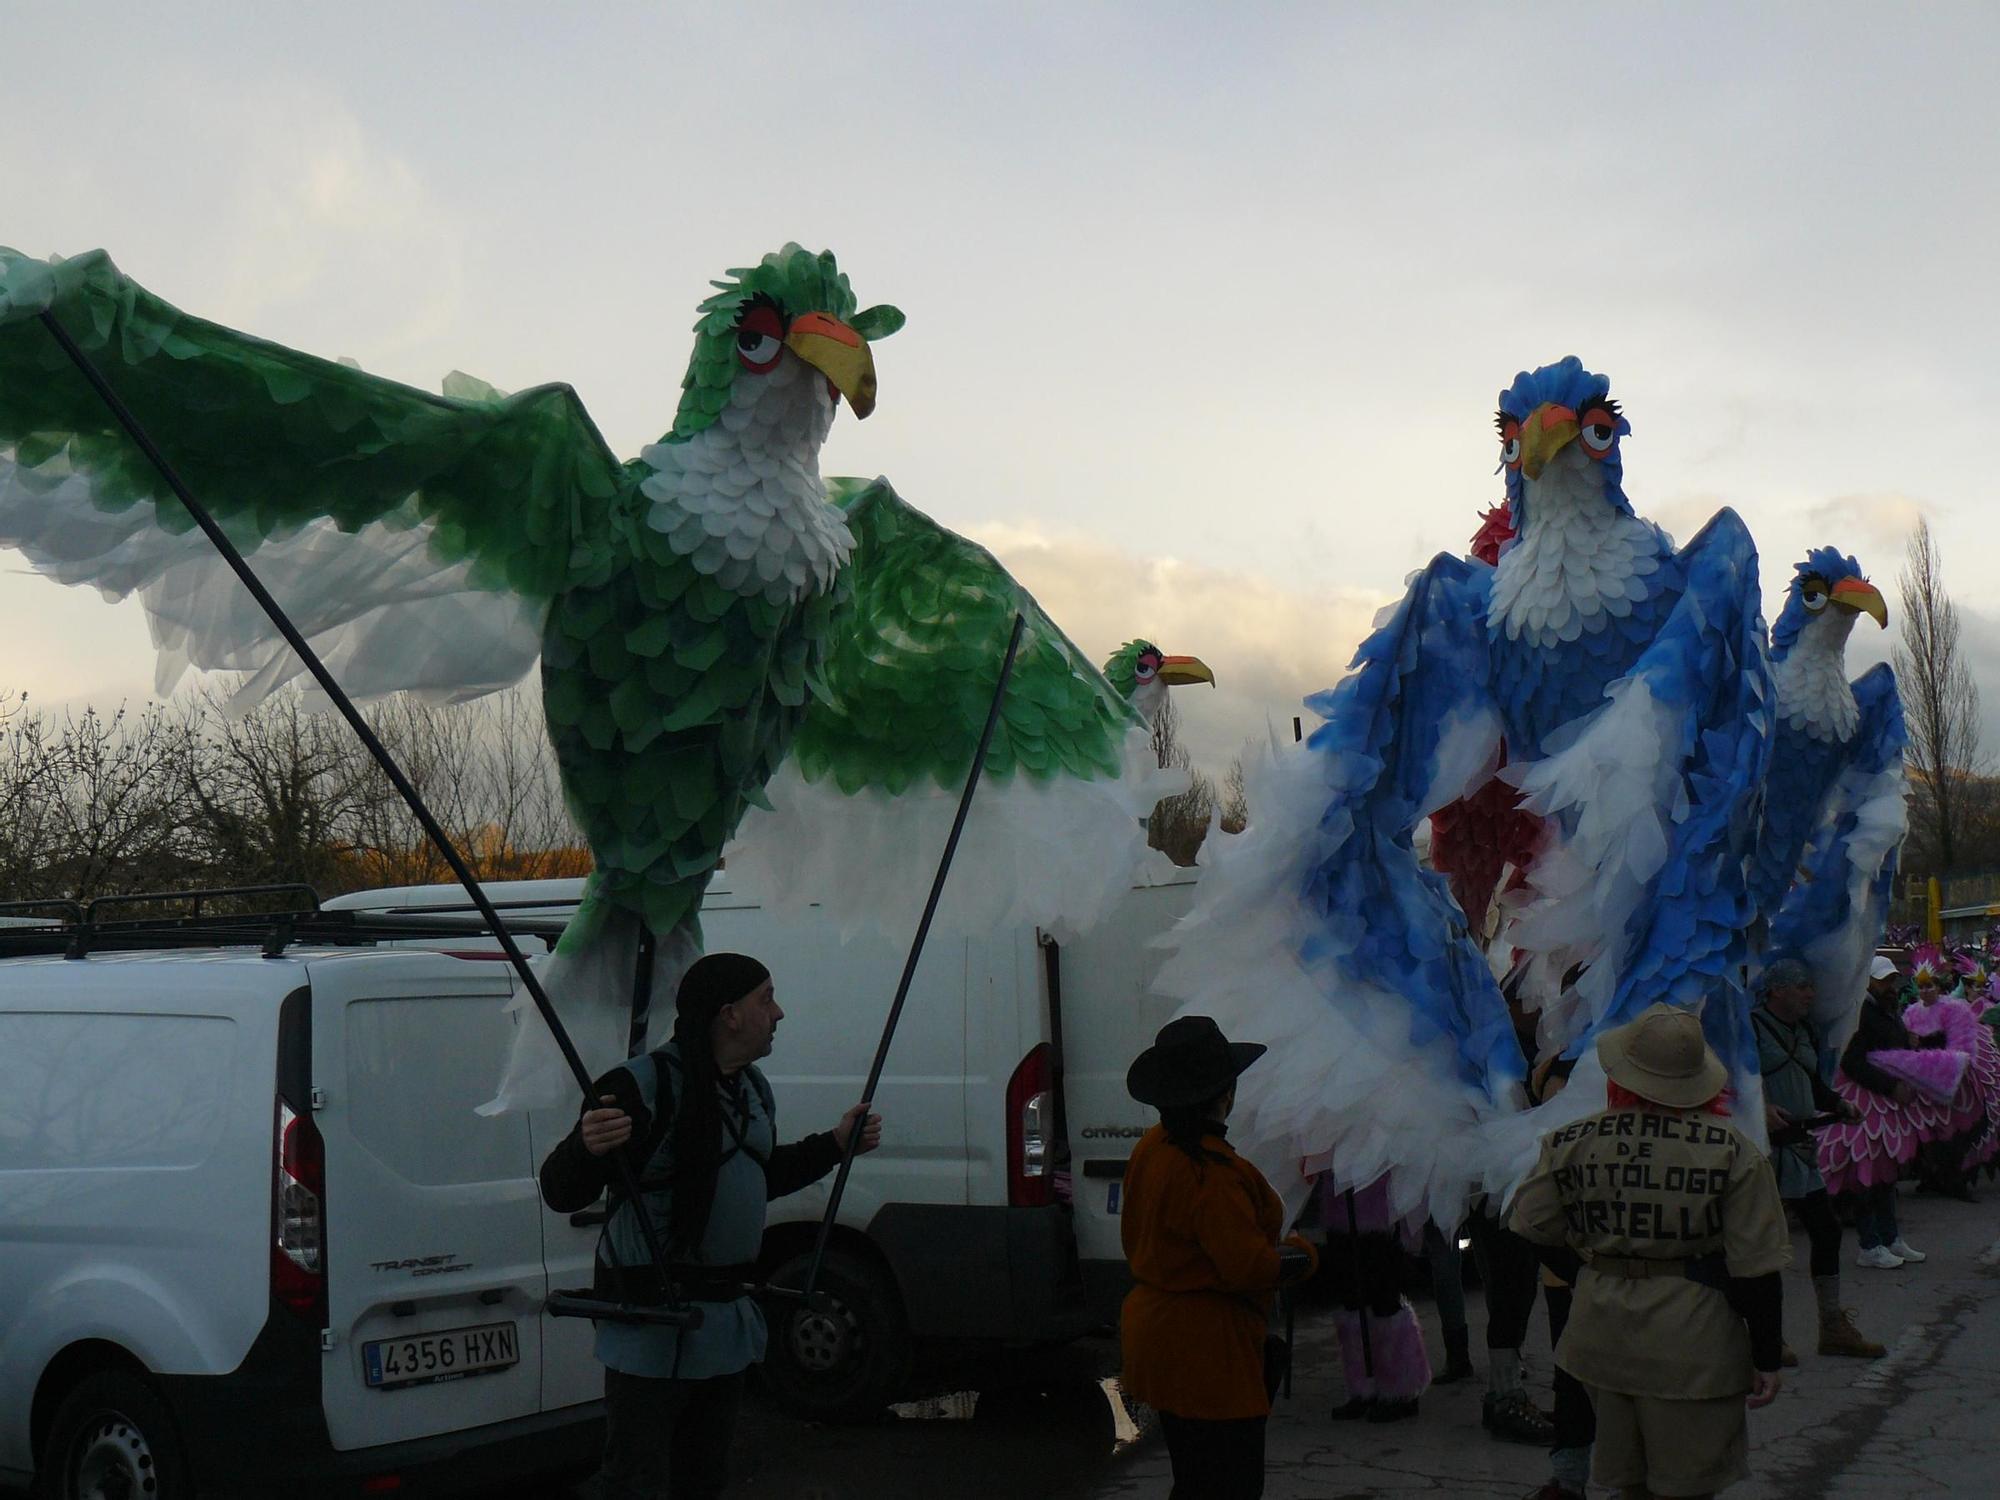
427	1358
1112	1195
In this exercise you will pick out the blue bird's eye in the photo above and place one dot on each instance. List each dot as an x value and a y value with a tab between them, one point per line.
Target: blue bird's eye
1812	594
1598	431
1510	444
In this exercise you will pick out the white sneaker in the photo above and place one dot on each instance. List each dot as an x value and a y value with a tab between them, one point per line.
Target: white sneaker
1901	1249
1881	1258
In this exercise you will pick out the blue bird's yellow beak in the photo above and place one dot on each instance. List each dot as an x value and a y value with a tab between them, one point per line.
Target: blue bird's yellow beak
1861	596
1548	430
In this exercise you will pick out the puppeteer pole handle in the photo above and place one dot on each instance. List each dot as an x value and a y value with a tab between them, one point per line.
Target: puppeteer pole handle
916	952
338	697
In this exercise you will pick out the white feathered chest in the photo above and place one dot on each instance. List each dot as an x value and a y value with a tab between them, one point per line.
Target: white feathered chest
1579	563
1814	695
742	499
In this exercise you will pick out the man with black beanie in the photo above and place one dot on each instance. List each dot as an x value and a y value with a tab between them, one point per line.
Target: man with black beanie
697	1121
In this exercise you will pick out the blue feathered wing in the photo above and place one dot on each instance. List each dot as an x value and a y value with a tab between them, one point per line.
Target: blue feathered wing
1320	932
1658	797
1833	914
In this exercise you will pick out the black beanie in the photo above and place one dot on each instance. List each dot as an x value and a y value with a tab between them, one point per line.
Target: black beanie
716	980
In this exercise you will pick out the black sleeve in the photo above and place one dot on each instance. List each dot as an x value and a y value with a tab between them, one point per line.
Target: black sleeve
1760	1302
1562	1261
1854	1062
800	1164
571	1177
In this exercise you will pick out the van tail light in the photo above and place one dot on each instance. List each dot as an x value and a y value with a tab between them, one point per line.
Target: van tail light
298	1246
1030	1131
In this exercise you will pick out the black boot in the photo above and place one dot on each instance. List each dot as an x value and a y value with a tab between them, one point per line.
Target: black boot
1457	1357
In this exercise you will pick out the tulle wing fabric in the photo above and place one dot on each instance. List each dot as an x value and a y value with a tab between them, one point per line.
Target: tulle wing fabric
1319	932
861	811
1834	914
413	536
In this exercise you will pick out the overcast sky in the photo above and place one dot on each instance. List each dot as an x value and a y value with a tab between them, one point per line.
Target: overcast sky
1208	305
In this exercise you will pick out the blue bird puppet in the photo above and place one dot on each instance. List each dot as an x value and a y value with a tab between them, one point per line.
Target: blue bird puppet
1630	685
1833	803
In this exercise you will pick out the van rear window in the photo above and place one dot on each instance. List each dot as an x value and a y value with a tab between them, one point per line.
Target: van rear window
109	1090
417	1068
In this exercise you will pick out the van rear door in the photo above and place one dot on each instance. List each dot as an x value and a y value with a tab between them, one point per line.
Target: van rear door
1111	1011
433	1236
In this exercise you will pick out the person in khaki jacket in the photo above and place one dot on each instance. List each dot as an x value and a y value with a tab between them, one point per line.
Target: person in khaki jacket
1668	1220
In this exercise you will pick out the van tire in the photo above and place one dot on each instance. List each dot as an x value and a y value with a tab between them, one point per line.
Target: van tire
113	1435
846	1361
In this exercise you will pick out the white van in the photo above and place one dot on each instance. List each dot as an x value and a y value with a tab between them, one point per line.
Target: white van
989	1214
254	1236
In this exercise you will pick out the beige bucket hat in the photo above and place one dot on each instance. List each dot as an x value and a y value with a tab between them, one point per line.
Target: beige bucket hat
1660	1055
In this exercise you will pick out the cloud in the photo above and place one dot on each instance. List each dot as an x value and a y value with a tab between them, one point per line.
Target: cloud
1874	528
1268	645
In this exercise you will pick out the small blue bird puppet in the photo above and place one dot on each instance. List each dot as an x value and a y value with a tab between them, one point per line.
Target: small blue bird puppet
1630	685
1833	803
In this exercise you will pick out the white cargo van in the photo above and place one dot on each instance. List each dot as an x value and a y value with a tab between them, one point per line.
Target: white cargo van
989	1215
252	1233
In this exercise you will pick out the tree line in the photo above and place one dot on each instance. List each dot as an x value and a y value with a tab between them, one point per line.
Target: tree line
182	795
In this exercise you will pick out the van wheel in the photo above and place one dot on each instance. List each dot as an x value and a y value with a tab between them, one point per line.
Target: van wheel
113	1439
846	1358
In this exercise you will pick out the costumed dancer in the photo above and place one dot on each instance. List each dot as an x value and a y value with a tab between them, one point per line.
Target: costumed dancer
1629	683
1968	1138
1902	1096
1795	1093
1201	1229
1382	1356
1678	1307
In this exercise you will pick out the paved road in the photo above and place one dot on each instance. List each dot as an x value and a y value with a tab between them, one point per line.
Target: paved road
1917	1422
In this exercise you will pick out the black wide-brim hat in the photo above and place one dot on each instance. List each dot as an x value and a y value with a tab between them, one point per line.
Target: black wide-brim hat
1190	1062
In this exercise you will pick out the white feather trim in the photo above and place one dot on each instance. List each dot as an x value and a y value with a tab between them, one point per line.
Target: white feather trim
1032	851
1342	1080
1616	791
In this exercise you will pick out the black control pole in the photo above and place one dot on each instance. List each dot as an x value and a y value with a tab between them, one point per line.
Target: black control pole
916	952
375	748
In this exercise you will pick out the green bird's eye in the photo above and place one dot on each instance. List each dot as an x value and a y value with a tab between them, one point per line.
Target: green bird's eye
760	339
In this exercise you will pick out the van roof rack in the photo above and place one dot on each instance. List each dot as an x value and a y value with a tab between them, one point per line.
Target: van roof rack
271	917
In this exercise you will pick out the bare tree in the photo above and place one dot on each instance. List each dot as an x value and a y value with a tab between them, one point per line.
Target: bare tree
1178	824
1235	797
1940	699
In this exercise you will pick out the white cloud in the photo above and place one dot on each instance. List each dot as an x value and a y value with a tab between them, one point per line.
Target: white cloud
1268	645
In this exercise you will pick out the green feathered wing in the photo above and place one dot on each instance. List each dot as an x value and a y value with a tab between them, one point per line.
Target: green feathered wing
271	440
859	817
911	671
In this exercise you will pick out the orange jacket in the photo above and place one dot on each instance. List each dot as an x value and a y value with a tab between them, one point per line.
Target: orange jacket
1203	1243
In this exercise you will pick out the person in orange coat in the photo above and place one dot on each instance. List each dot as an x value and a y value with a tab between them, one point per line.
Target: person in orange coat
1201	1229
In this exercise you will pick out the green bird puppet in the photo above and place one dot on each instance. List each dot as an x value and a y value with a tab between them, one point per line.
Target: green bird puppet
703	615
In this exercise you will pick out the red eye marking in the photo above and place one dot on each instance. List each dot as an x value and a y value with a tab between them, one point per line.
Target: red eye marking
1598	430
760	338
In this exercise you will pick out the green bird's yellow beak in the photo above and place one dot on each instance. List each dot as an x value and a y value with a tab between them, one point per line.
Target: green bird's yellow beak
1861	596
1179	671
1548	430
838	353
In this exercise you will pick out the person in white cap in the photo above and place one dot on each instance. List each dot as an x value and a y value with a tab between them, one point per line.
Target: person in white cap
1669	1220
1879	1028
